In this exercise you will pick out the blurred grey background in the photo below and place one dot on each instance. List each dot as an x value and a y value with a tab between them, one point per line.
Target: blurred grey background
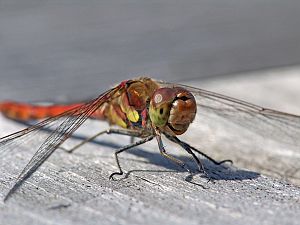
71	50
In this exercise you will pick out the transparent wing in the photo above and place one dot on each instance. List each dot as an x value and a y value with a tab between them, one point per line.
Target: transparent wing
61	126
268	123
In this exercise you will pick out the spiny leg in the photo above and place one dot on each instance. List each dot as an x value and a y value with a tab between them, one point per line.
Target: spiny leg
188	150
131	133
166	155
126	148
208	157
182	143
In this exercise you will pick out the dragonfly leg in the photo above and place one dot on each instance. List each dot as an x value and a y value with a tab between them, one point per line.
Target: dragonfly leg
124	149
188	150
184	144
169	157
131	133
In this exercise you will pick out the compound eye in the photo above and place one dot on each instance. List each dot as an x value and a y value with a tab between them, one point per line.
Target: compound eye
160	115
160	106
169	105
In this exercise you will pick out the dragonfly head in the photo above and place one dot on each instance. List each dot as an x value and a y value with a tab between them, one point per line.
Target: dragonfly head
172	109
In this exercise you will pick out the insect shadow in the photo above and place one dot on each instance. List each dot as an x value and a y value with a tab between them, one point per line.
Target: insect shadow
214	172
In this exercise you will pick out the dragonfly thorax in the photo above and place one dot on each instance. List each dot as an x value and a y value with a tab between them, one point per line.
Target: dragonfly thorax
172	110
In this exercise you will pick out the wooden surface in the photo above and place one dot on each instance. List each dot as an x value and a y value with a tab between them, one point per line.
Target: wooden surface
74	188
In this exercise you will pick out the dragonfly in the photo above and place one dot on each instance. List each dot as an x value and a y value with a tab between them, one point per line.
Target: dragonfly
146	109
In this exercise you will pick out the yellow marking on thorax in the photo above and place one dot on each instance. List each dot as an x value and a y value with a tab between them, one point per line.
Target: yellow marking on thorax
132	115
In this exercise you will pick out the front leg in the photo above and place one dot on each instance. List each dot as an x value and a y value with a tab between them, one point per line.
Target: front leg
188	148
124	149
167	156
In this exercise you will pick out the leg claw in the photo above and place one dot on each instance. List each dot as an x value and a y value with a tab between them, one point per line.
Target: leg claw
225	161
111	177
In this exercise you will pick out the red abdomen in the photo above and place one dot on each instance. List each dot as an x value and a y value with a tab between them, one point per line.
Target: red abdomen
23	111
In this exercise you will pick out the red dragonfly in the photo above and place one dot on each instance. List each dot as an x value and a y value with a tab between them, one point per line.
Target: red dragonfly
144	108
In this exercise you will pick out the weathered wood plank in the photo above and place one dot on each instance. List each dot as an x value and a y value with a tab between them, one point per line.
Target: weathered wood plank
74	188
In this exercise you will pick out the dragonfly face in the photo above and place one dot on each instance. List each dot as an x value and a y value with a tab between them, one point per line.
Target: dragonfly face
172	110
